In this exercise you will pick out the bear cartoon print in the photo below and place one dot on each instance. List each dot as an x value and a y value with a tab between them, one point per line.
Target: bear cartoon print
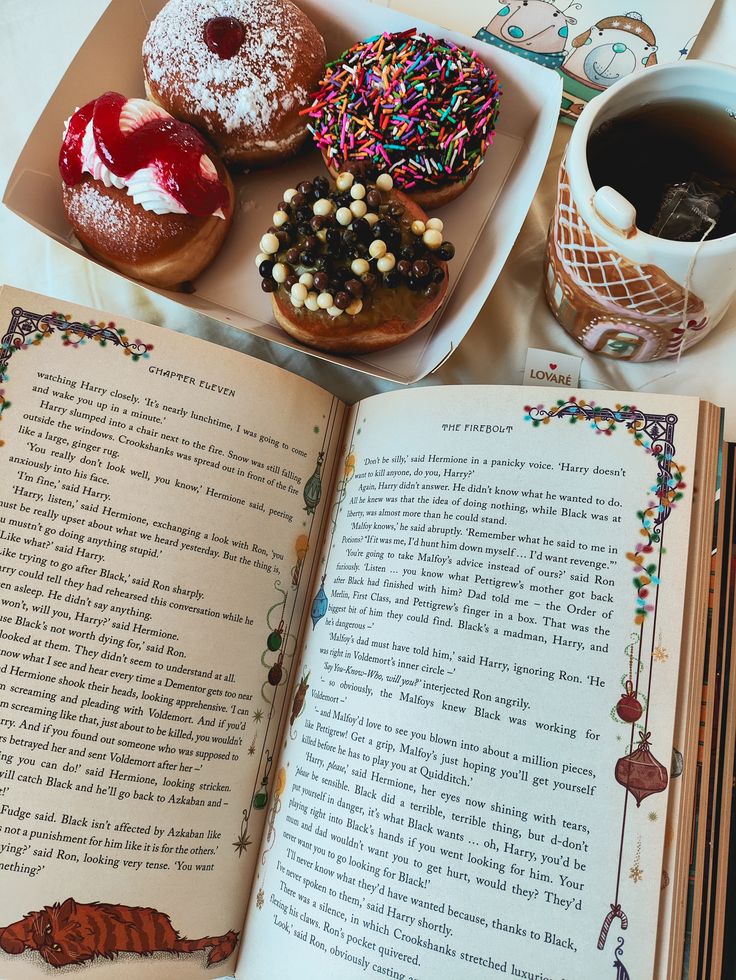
612	48
535	29
592	44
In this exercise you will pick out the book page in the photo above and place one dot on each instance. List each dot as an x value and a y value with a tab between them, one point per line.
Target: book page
476	775
159	517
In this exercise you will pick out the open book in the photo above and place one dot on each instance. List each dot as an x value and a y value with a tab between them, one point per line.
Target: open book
288	688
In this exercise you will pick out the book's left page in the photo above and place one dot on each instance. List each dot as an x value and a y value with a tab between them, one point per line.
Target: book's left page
159	519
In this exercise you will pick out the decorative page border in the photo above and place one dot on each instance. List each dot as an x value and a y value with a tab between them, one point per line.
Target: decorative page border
28	329
282	622
639	772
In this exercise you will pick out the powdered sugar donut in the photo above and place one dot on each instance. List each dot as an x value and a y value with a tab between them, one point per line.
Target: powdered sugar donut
239	70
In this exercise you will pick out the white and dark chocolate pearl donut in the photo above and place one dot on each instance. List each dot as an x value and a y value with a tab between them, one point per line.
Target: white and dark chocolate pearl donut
355	252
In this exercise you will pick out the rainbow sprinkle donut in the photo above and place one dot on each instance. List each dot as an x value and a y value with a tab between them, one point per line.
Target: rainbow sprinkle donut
422	109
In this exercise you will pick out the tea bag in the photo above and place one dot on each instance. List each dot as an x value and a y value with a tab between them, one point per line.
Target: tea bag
689	211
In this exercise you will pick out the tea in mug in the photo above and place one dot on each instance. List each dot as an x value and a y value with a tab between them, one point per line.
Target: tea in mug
675	161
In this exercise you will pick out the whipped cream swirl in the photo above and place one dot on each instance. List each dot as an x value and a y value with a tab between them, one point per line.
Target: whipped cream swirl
142	185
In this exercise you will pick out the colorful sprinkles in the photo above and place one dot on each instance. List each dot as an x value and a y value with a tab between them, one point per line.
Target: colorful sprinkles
420	108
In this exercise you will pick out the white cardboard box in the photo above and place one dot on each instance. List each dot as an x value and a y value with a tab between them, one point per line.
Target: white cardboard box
482	224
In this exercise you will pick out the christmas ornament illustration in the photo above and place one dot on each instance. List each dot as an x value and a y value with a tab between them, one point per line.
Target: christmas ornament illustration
273	644
320	604
640	773
276	643
278	791
313	487
261	798
298	703
301	547
321	601
629	708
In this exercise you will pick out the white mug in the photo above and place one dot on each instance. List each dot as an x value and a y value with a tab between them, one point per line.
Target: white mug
616	289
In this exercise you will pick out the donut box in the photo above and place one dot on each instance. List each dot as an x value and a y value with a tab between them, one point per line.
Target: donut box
482	223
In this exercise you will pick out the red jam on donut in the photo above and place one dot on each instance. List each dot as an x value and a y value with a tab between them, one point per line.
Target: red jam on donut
238	70
224	36
172	149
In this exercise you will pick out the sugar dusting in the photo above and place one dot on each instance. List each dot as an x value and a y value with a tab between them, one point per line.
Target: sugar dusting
118	227
245	92
90	209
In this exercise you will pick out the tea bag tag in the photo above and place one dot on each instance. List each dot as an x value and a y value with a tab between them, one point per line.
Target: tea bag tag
549	368
617	212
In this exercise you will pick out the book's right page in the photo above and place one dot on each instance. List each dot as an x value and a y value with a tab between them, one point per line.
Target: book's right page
476	770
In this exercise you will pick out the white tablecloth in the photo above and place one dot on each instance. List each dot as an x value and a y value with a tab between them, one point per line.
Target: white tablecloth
37	41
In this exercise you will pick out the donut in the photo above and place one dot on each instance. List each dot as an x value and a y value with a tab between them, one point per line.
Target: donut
143	192
238	70
354	268
421	109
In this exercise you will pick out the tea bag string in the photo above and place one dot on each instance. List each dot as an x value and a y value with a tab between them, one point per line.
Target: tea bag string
685	323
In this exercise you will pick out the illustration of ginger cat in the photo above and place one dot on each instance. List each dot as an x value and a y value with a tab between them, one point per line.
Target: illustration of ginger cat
75	933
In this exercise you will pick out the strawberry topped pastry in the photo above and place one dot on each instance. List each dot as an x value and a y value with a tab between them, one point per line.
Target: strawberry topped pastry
143	192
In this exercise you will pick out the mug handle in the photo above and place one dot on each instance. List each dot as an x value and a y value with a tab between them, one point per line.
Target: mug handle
615	210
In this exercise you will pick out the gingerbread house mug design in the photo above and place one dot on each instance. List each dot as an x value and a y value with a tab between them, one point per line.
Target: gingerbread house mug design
616	289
